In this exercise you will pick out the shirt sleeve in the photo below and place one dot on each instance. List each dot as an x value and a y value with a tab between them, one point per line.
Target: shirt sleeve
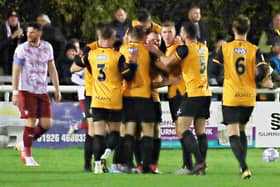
127	70
51	56
18	56
181	52
153	57
219	58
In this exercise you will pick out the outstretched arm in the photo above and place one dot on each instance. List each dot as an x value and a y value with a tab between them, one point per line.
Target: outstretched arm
54	77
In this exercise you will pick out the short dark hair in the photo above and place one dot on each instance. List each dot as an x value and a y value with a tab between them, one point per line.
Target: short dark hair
190	29
138	32
35	25
242	24
143	15
106	29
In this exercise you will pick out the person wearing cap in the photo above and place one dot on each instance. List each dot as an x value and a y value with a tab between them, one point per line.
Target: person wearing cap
64	63
11	34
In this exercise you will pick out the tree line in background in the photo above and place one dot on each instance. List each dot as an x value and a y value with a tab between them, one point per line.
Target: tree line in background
78	18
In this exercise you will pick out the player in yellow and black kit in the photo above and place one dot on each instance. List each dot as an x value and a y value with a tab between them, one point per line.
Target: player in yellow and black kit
138	105
157	75
176	89
241	61
76	66
144	19
195	106
108	68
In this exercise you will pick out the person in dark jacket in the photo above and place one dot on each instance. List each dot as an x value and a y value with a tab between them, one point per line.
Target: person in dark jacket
64	63
120	23
11	34
270	36
52	34
215	71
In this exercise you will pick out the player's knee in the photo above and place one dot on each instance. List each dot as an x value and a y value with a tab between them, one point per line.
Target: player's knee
46	123
148	130
30	122
200	130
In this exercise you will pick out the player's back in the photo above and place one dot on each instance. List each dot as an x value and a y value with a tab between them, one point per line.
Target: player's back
239	58
140	86
106	78
194	70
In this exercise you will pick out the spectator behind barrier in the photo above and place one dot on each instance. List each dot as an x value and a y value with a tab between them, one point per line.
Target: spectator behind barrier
52	34
120	23
64	63
215	71
194	17
270	36
275	64
11	34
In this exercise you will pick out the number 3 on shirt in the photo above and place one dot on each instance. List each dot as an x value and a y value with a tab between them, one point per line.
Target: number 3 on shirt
239	66
101	76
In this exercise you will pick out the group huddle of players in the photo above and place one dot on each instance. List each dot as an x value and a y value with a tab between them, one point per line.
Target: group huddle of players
122	102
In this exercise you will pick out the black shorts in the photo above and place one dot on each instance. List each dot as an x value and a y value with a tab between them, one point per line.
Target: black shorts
174	105
136	109
197	107
240	115
101	114
88	109
158	112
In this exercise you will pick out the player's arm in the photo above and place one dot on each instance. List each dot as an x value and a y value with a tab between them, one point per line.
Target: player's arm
263	71
54	77
219	58
175	58
80	62
167	82
127	70
17	67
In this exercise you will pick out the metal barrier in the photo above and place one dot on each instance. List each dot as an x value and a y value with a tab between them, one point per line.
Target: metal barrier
7	89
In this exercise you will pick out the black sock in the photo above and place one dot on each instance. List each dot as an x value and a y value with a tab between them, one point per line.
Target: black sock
203	145
128	150
237	149
243	140
88	151
137	152
118	154
187	157
156	150
113	139
147	153
191	146
98	146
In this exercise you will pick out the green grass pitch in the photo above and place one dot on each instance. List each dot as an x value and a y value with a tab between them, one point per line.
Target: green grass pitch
63	167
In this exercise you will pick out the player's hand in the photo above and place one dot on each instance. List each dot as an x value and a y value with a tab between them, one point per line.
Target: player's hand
178	39
57	96
267	83
15	100
152	47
